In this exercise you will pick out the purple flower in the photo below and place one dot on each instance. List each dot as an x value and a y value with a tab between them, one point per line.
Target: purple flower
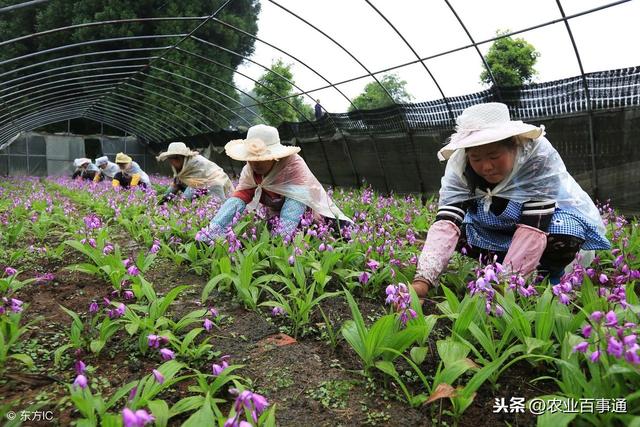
117	312
586	330
152	341
581	347
47	277
629	340
400	298
92	222
208	324
597	316
155	341
129	418
10	271
254	403
107	249
80	367
277	311
217	369
155	248
140	418
132	270
80	381
499	310
373	264
614	347
364	278
595	356
214	313
631	354
322	247
167	354
16	305
144	417
292	260
611	318
603	278
127	294
158	376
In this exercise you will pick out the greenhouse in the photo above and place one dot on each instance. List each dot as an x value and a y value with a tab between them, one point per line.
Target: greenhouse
295	213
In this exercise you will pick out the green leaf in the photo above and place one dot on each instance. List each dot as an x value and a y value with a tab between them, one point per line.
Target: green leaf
131	328
96	345
544	316
160	411
203	417
24	358
187	404
418	354
554	419
170	297
467	313
451	351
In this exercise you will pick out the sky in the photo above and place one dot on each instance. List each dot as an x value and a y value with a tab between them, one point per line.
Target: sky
605	39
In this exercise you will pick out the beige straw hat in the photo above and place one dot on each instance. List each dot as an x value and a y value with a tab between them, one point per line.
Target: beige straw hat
262	143
176	149
123	158
486	123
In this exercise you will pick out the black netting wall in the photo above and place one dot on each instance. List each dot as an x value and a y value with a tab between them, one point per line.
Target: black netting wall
394	148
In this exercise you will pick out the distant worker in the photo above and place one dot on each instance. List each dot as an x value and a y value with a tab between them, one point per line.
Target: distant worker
194	175
84	169
318	110
130	174
108	170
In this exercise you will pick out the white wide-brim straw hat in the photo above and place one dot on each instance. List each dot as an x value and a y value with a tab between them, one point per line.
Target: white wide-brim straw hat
176	149
486	123
81	161
262	143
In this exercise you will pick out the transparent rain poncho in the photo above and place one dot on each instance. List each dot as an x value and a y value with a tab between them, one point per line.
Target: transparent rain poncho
538	174
134	168
292	178
200	172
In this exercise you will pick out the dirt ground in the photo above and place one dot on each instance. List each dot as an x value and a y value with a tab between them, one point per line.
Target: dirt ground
311	383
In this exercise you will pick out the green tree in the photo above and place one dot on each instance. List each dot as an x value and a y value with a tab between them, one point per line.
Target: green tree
511	61
373	96
274	85
190	87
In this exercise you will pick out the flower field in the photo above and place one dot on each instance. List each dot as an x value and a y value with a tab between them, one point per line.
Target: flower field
111	314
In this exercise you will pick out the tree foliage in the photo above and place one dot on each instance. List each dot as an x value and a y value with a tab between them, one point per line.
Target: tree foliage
511	61
373	96
275	84
181	90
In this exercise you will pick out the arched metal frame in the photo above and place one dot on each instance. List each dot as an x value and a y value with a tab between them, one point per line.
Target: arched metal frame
56	78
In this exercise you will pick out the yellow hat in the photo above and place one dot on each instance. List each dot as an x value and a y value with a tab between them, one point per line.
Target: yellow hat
123	158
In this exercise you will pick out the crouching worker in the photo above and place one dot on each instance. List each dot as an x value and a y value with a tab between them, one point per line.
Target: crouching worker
84	169
130	174
276	177
507	193
108	170
194	175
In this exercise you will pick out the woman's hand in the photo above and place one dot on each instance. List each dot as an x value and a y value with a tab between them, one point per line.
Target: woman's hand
421	286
